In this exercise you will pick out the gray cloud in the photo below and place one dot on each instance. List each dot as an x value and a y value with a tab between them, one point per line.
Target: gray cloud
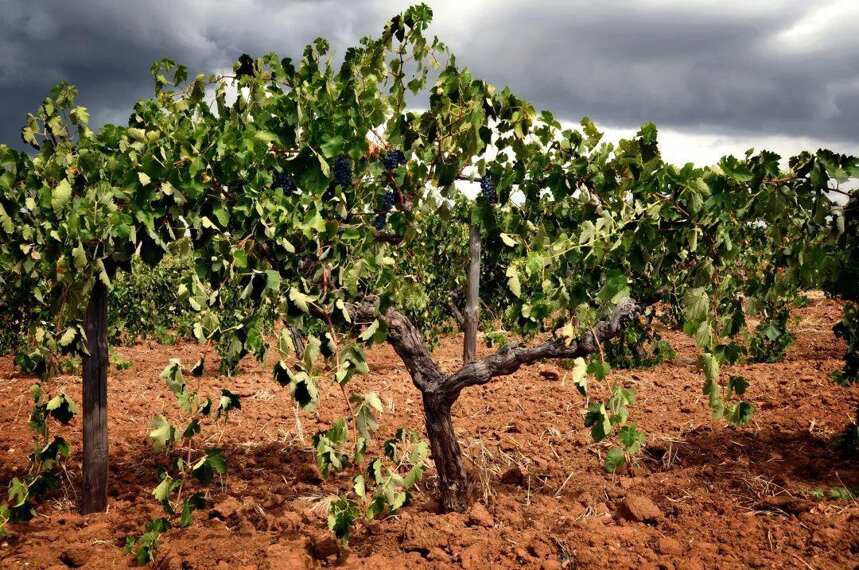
729	68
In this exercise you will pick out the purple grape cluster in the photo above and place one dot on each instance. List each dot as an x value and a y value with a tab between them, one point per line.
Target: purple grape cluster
343	171
487	187
388	201
286	182
393	159
382	217
246	66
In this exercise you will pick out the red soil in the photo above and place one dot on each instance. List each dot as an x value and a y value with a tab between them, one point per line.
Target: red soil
707	495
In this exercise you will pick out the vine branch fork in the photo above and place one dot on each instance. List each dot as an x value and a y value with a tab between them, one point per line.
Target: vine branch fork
440	391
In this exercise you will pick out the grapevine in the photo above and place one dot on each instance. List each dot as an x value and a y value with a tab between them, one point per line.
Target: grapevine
597	235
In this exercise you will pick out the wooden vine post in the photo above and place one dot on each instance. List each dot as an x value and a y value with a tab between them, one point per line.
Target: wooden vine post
472	296
95	456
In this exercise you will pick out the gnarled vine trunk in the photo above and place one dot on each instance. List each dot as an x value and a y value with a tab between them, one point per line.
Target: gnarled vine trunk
440	391
452	480
95	458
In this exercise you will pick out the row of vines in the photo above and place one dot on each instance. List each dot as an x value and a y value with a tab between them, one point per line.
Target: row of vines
307	209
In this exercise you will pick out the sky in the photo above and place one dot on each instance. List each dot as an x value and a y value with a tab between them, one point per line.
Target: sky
716	76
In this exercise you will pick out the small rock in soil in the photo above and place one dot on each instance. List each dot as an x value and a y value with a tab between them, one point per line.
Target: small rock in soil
550	375
326	547
437	554
74	556
786	503
626	482
479	516
418	538
641	509
225	509
309	473
513	476
669	546
473	557
290	521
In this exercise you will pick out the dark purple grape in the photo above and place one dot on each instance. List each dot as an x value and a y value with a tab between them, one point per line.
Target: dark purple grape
388	202
393	159
343	171
246	66
285	181
487	186
380	221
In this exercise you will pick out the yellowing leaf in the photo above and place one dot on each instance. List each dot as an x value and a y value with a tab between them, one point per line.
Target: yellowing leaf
61	194
300	299
68	337
163	434
370	331
5	221
513	281
79	256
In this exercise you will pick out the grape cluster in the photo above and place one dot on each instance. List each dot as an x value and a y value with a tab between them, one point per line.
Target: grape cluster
382	217
246	66
388	202
487	186
343	172
393	159
286	182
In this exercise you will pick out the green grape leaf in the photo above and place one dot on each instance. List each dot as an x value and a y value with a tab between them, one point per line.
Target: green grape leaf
62	408
366	407
342	514
614	459
189	505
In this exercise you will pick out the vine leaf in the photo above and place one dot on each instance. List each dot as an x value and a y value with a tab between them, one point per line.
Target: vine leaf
62	408
580	375
365	420
370	331
163	434
61	194
228	402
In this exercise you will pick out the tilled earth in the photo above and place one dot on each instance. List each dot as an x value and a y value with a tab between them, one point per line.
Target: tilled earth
703	494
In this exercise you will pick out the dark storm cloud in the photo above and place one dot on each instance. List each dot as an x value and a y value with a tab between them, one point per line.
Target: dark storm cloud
703	66
772	68
106	47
